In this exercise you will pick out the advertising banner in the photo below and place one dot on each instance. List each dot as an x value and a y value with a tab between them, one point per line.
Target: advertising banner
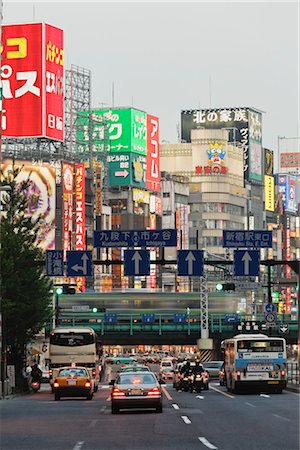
244	126
127	169
68	186
42	197
98	187
287	188
269	193
32	79
80	217
269	161
153	154
290	160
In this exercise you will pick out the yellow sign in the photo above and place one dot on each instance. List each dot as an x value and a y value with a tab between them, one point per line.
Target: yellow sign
140	196
269	193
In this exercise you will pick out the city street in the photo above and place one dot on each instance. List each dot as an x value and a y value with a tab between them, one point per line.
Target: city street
212	419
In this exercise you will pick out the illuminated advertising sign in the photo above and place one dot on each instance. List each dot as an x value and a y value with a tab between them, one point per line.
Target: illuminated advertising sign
98	187
68	185
269	193
42	197
32	79
153	154
80	216
127	169
244	126
215	162
287	188
125	130
269	161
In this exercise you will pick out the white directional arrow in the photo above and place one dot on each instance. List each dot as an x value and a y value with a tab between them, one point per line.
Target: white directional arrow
122	173
246	259
190	258
199	396
85	259
136	258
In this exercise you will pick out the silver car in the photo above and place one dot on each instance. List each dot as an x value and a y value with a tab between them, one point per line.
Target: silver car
213	368
136	390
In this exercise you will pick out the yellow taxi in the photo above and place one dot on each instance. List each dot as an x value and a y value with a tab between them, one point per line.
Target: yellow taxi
73	382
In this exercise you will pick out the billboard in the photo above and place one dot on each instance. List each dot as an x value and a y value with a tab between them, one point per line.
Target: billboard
32	80
269	161
126	130
244	126
269	193
127	169
67	213
42	197
153	154
290	160
80	217
287	188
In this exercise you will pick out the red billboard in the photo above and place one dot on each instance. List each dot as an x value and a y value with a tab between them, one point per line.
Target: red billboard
153	155
80	217
32	79
67	182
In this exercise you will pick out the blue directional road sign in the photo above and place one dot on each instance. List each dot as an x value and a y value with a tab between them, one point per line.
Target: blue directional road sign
231	317
246	263
138	238
110	318
79	263
270	307
148	318
247	239
54	263
136	262
179	318
190	263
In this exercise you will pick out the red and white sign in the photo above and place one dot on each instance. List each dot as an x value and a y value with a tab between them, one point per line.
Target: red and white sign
68	185
80	217
32	79
153	154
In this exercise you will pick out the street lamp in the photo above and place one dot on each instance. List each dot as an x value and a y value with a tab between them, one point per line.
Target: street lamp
4	188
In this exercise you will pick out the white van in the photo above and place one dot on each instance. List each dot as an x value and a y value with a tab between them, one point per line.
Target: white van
166	363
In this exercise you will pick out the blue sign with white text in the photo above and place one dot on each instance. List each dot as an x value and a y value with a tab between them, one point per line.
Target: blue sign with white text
54	263
270	307
148	318
231	317
246	263
190	263
110	318
136	262
138	238
79	263
179	318
249	239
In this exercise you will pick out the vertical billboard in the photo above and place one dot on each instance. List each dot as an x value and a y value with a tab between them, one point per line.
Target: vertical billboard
287	188
32	79
153	154
269	193
80	216
244	126
98	187
67	216
269	161
41	194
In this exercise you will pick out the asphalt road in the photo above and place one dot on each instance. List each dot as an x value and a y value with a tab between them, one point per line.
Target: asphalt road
212	419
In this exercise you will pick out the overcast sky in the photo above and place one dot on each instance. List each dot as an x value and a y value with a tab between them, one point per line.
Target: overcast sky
161	56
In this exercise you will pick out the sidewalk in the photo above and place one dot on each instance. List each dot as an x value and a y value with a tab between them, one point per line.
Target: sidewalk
293	388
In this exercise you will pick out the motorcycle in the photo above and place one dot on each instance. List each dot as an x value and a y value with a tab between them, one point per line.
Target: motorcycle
197	383
35	386
185	383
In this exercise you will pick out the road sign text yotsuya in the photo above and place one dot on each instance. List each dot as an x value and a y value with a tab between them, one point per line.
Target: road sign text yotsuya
249	239
147	238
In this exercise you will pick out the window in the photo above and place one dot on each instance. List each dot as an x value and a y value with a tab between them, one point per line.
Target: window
72	339
260	346
166	194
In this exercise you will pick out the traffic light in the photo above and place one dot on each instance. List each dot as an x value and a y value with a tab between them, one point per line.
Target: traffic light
65	289
225	287
95	310
59	291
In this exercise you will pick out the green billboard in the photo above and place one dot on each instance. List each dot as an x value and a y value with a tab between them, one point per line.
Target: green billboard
127	169
123	129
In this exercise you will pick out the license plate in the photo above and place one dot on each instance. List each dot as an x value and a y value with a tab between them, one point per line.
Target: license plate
72	382
273	382
260	367
135	392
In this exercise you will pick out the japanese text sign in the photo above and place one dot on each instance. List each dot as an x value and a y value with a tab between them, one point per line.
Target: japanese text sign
247	239
54	263
147	238
153	157
32	79
67	178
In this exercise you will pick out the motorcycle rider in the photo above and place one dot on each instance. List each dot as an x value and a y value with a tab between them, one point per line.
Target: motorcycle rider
197	370
36	373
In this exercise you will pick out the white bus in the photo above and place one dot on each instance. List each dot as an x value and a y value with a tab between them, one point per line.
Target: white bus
74	345
255	361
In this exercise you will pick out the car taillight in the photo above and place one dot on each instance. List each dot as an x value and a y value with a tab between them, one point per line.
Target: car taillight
87	384
282	373
238	374
198	377
55	384
221	372
117	393
50	372
154	391
94	372
180	376
205	375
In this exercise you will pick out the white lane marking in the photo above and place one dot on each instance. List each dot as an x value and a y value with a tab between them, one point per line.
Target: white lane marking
186	419
169	397
250	404
93	423
106	386
78	445
207	443
222	392
102	409
200	396
264	395
175	406
281	417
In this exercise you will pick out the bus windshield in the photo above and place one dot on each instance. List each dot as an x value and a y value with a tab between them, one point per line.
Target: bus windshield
72	339
260	346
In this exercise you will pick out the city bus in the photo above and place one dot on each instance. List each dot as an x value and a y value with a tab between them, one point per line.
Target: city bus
255	361
74	346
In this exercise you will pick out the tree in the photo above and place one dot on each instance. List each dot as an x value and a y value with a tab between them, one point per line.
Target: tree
25	289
